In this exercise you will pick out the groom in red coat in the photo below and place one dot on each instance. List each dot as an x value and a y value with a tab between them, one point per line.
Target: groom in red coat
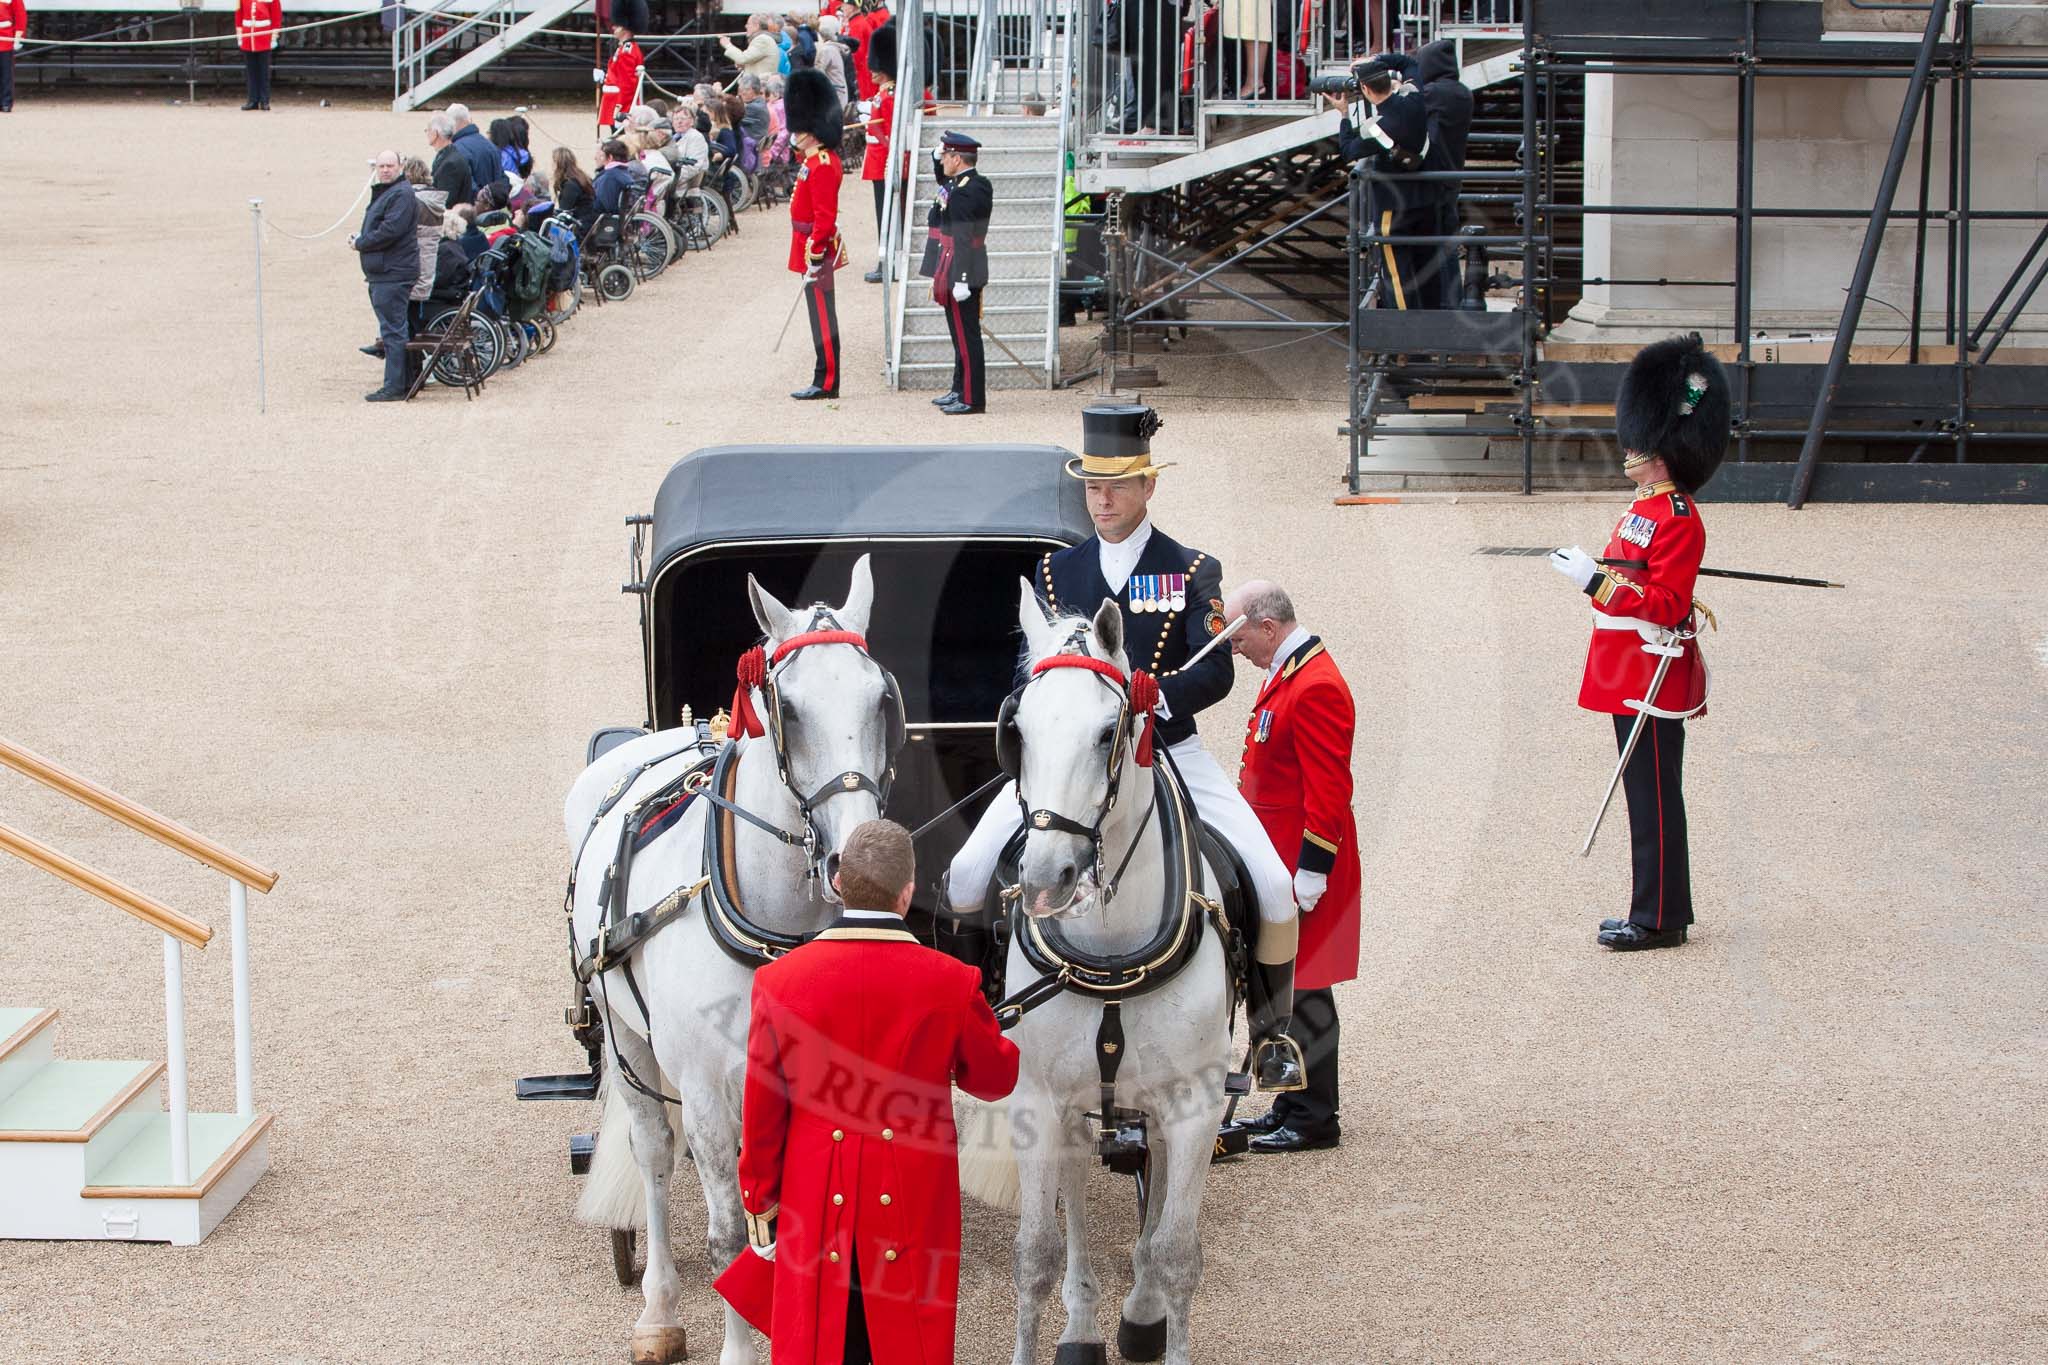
849	1165
1297	779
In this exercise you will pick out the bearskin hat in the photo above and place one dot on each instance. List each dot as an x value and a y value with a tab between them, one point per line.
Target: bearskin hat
1674	403
810	107
882	52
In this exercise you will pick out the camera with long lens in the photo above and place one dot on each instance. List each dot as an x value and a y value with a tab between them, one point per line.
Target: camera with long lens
1346	84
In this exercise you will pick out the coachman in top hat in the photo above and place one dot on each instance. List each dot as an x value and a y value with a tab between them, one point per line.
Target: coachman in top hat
1672	420
816	251
1172	603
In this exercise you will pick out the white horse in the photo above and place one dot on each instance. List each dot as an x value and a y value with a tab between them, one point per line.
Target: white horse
1176	1053
833	707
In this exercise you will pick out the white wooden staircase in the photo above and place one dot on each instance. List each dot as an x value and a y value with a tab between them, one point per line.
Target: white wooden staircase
110	1150
85	1147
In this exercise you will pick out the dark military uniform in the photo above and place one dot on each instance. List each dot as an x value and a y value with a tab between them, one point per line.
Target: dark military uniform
1398	208
963	259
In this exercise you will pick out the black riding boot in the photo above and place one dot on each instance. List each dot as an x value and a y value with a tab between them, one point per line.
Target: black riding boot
970	937
1277	1063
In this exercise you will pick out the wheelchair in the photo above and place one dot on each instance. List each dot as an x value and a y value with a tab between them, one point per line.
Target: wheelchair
606	259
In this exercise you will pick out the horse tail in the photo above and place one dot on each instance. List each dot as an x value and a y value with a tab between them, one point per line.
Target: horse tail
614	1193
988	1162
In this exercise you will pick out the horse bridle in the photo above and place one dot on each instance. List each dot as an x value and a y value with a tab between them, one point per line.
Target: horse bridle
824	629
1074	654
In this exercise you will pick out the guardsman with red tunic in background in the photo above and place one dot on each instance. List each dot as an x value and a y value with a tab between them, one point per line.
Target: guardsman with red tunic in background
849	1162
13	24
877	118
868	15
256	26
619	82
816	251
1296	776
1671	417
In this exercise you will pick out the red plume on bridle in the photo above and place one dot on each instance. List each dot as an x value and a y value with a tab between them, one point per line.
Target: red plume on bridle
752	672
1144	696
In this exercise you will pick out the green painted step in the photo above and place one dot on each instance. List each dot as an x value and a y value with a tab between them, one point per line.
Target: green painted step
147	1160
63	1095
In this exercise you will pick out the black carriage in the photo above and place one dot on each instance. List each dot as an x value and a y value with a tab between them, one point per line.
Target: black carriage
949	530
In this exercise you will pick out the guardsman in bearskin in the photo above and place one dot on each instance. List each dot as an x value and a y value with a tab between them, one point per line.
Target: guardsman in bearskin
619	82
1172	602
13	25
962	270
815	249
849	1163
1671	417
1296	776
877	119
256	26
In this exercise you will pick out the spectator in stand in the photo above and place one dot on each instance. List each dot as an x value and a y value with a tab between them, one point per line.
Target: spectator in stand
391	264
451	168
485	170
613	188
762	56
832	57
574	194
753	118
803	32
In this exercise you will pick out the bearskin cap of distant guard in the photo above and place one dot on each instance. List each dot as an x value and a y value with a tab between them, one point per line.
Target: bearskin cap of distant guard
1674	404
810	106
882	52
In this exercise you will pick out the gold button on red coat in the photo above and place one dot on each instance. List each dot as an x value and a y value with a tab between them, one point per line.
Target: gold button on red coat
838	1135
890	1254
885	1199
839	1199
834	1258
888	1134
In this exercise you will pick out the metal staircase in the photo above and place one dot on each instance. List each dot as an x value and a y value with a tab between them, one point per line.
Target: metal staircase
442	27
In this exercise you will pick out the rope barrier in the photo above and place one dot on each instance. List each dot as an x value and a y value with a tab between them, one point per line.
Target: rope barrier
188	42
346	214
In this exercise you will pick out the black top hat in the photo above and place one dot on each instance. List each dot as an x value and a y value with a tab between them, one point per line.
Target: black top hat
809	105
1673	403
1116	442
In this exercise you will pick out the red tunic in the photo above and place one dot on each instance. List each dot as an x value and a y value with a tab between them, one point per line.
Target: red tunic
256	24
858	28
13	23
621	84
875	161
1297	779
814	214
854	1044
1663	529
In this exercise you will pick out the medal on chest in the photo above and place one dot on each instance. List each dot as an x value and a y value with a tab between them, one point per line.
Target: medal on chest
1636	529
1158	592
1265	730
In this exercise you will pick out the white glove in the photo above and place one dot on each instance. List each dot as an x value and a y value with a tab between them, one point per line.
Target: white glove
1576	565
865	107
1161	709
961	291
766	1253
1309	888
811	275
597	74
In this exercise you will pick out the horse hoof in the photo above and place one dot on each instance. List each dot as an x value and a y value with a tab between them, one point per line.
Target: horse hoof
1081	1353
1141	1340
659	1345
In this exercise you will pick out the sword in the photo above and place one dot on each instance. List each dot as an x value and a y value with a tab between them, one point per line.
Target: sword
1627	750
1219	638
793	306
1534	550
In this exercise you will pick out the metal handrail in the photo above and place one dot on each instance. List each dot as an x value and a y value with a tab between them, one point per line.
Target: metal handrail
152	912
137	817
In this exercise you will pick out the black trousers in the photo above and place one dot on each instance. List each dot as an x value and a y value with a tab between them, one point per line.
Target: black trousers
1406	268
822	308
6	81
256	66
1315	1028
858	1350
1445	283
881	193
1662	898
970	368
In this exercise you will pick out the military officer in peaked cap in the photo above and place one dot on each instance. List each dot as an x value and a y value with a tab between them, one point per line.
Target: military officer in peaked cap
1671	417
962	269
1172	602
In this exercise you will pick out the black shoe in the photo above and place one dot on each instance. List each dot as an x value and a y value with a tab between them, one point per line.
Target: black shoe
1290	1139
385	396
1271	1121
810	392
1608	926
266	106
949	396
956	408
873	276
250	104
375	348
1630	938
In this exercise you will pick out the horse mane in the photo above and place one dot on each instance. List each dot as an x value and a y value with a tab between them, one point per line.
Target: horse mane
1066	623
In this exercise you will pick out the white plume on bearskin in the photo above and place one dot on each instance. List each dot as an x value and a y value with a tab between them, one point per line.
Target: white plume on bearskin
810	106
1674	403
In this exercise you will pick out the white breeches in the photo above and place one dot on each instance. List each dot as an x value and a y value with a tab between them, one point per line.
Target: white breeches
1216	799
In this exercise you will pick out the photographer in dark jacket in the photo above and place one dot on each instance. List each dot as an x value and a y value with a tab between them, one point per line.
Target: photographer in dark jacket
391	264
1448	103
1393	139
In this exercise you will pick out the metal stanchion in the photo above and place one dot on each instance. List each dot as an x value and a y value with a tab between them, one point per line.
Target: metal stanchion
256	223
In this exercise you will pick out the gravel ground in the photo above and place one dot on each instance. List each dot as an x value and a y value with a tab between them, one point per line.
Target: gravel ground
366	645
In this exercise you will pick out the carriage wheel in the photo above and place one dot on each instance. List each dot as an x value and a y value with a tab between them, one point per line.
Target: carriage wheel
626	1263
615	283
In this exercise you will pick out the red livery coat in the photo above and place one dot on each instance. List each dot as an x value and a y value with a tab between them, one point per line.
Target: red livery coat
13	23
847	1137
257	23
874	162
814	214
1662	529
1297	779
621	84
